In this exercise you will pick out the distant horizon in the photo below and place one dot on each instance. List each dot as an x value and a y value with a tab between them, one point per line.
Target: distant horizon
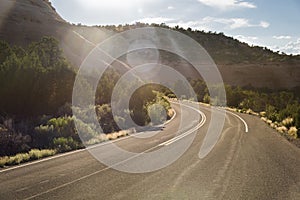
208	31
270	24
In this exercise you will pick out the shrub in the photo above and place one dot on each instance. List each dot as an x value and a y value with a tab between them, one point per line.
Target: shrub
19	158
206	98
171	95
12	143
293	132
287	122
282	129
171	113
65	144
264	119
106	118
3	161
112	136
271	113
96	140
122	133
87	131
55	128
251	112
262	114
36	154
43	134
273	125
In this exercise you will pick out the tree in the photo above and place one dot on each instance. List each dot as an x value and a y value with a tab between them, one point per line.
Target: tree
33	78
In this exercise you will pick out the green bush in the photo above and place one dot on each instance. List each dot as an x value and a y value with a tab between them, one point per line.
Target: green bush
65	144
55	128
87	131
271	113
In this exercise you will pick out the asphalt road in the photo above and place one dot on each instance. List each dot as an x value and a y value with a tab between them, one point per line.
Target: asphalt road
258	164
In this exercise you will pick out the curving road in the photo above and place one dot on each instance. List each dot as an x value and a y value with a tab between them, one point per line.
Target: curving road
245	164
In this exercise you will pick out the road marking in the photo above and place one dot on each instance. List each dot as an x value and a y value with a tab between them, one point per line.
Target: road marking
203	120
167	122
245	123
45	181
22	189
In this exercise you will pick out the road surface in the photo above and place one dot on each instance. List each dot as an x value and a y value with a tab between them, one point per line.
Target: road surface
258	164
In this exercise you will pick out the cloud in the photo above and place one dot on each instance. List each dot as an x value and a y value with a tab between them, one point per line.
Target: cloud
227	4
155	20
292	47
251	40
199	25
171	8
282	37
206	23
111	4
242	37
264	24
234	23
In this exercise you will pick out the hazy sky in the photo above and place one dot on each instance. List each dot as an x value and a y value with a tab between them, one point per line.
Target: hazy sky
271	23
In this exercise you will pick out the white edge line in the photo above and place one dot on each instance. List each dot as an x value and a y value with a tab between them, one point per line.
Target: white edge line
203	120
167	122
245	123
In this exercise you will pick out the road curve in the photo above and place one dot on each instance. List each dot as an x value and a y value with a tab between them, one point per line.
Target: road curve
259	164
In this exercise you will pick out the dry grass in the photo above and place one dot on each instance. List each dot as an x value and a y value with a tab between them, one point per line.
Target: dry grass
293	132
251	112
262	114
282	129
3	161
273	125
19	158
37	154
111	136
171	113
264	119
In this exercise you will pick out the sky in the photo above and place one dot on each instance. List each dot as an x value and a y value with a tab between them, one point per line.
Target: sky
270	23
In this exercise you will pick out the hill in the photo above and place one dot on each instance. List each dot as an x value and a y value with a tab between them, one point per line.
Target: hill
27	21
22	22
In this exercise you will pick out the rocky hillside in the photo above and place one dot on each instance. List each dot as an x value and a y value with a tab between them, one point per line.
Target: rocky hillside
26	21
22	22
